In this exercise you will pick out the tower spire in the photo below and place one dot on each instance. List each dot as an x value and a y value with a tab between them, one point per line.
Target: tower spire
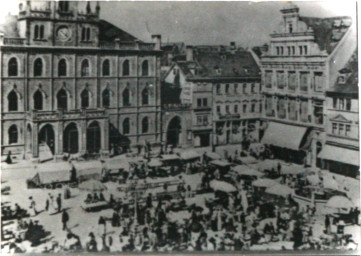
97	8
88	8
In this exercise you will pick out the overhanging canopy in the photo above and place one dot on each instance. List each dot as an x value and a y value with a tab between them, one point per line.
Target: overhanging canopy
339	154
283	135
189	155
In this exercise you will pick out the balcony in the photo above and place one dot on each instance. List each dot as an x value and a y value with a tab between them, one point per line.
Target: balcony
64	114
176	106
13	41
228	116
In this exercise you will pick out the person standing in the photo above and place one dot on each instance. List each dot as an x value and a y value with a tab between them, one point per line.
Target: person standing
65	219
33	206
58	202
327	224
47	203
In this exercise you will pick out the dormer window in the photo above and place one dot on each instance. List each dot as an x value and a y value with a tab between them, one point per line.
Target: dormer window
290	28
341	79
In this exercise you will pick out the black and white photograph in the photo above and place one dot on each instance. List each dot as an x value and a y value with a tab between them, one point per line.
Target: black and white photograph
179	127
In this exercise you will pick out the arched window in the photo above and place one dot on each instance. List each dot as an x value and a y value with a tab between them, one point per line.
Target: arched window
84	98
145	125
38	67
38	100
41	33
145	96
13	67
88	34
126	126
83	34
85	68
62	98
62	67
13	134
106	68
106	98
13	101
126	97
126	68
36	32
145	67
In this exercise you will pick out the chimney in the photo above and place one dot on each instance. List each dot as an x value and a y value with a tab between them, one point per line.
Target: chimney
157	39
233	45
189	53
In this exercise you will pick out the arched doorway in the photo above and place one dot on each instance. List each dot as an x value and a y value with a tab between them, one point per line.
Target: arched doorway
71	139
46	135
93	136
174	131
29	144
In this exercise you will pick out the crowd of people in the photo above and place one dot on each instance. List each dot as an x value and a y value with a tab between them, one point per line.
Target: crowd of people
201	219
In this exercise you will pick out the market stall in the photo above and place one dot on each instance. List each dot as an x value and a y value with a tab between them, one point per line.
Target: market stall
88	170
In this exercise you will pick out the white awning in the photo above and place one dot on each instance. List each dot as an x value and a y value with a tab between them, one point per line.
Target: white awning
283	135
189	154
338	154
220	163
169	157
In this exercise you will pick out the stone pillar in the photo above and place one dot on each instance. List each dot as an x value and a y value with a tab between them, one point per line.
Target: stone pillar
275	102
314	149
35	148
82	136
105	139
59	142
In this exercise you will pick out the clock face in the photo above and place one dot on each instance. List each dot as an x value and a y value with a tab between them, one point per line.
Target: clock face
63	33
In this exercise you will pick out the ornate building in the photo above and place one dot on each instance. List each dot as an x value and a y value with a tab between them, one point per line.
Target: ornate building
222	87
300	65
341	153
71	82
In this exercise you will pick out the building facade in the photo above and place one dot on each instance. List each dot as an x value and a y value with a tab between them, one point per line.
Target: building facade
297	70
222	86
74	83
341	151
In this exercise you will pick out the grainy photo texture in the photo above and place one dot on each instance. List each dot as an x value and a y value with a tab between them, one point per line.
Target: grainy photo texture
179	127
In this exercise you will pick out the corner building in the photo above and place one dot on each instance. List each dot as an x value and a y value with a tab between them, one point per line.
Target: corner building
71	83
301	64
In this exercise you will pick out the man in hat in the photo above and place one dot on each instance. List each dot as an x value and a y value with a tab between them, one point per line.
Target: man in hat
33	206
65	219
58	202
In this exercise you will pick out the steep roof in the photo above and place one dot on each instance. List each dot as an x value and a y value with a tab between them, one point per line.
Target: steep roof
328	31
109	32
350	86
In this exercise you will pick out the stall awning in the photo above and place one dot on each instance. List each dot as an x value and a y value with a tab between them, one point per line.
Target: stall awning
283	135
189	154
338	154
170	157
116	164
220	163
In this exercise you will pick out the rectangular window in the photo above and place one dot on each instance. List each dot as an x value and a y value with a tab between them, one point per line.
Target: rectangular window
292	81
348	130
253	108
288	50
293	50
319	80
341	104
205	102
305	49
199	120
253	88
341	130
235	88
281	48
278	50
199	102
218	109
244	108
348	104
227	109
334	103
227	88
268	79
244	89
334	128
260	108
235	108
300	48
304	78
218	88
280	79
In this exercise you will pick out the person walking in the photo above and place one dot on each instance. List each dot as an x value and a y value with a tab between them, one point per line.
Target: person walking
65	219
58	202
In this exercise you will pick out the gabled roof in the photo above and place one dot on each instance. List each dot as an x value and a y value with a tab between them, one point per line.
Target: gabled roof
328	31
350	86
340	118
109	32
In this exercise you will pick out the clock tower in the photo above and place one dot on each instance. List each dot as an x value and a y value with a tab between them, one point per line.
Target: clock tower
59	23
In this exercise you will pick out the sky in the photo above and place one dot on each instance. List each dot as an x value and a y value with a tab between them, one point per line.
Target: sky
246	23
